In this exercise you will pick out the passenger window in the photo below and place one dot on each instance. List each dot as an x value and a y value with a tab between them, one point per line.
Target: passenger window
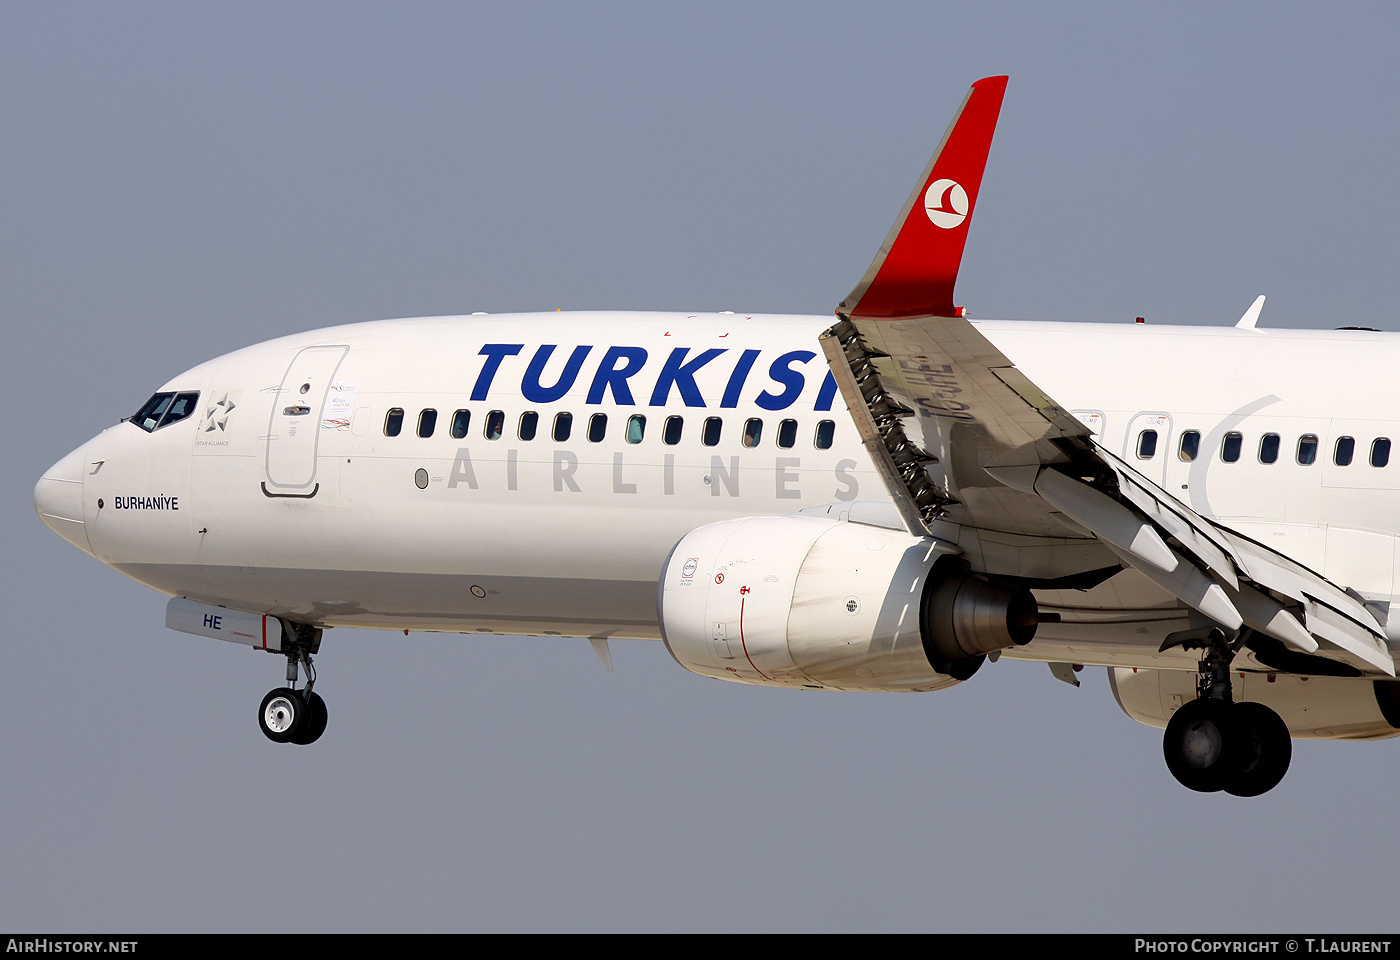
529	424
495	424
710	435
787	434
636	428
1380	452
461	420
427	423
1190	445
672	434
826	432
753	430
183	406
563	426
393	422
597	427
1307	449
1268	448
148	417
1147	444
1230	447
1346	449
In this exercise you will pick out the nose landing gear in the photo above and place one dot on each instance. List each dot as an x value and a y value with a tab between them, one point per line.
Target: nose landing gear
292	716
289	715
1213	743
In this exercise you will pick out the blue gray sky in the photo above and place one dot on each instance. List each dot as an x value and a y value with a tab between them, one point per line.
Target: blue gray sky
179	180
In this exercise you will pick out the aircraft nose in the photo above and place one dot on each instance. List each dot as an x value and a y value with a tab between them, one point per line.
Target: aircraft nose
58	499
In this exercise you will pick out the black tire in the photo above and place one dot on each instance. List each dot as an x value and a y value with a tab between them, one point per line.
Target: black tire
1201	744
1265	750
315	720
282	714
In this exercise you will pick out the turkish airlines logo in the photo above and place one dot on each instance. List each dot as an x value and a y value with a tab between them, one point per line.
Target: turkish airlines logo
946	203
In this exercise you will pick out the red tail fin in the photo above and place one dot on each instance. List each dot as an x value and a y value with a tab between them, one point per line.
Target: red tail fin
914	272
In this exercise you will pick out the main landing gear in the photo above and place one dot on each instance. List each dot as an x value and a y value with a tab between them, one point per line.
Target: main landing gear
289	715
1213	743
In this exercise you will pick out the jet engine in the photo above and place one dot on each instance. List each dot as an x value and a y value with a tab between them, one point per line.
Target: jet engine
827	604
1321	708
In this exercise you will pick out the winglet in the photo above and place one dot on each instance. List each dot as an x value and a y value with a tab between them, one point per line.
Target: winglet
1251	316
914	272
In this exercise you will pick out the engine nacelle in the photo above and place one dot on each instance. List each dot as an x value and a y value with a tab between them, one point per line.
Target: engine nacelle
801	601
1321	708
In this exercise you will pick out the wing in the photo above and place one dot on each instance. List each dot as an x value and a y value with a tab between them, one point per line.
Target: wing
972	451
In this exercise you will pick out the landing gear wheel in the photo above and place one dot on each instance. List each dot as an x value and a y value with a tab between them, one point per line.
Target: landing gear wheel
1264	753
1201	744
282	714
315	720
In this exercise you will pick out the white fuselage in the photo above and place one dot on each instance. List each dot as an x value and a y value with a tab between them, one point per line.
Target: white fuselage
274	500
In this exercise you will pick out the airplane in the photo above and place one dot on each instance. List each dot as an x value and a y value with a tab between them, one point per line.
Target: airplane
881	503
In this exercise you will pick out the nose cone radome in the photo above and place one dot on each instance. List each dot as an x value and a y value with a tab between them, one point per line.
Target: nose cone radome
58	499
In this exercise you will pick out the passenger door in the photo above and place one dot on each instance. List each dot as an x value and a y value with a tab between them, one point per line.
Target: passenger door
293	429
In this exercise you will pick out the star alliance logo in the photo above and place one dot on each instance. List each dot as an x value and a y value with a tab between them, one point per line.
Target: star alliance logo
216	414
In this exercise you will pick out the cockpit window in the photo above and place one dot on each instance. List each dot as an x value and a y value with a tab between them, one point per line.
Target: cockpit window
164	409
183	406
148	417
